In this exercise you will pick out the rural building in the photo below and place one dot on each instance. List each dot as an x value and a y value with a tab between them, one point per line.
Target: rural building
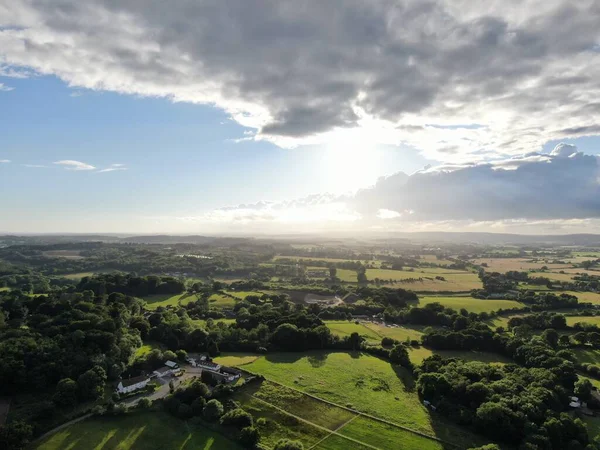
172	364
132	384
209	365
163	372
350	298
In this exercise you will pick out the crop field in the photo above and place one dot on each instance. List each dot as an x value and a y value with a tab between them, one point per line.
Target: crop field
471	304
587	255
357	381
520	264
572	320
221	301
139	431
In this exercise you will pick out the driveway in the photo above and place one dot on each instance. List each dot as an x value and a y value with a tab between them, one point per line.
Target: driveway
163	391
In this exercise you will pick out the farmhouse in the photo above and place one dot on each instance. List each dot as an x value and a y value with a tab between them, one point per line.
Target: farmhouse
208	365
171	364
132	384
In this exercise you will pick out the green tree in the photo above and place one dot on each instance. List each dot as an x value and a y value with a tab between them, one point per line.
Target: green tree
249	437
66	393
91	383
583	389
213	410
399	355
551	336
15	435
287	444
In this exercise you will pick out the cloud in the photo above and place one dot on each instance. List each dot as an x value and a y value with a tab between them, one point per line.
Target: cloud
4	161
33	166
113	168
4	88
461	81
74	165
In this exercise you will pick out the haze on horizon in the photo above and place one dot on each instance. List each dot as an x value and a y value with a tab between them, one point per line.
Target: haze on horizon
278	117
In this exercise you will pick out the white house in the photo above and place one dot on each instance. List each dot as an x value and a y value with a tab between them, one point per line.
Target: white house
132	384
171	364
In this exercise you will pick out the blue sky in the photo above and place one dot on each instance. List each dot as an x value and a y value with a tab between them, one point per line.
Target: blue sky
182	159
238	117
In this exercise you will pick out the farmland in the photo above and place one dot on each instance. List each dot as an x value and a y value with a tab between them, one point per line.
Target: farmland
585	297
572	320
503	265
155	301
471	304
417	355
371	331
143	431
221	301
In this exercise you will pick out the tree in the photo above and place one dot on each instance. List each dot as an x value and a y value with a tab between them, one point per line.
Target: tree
249	437
66	393
287	444
144	403
332	272
213	410
91	383
15	435
583	389
399	355
237	417
551	336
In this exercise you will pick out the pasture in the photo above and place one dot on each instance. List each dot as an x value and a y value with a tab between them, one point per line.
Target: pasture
221	301
418	354
360	382
372	332
584	297
235	359
587	355
243	294
143	431
471	304
77	276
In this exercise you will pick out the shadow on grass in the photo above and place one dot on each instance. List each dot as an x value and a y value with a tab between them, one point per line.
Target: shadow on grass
404	375
143	430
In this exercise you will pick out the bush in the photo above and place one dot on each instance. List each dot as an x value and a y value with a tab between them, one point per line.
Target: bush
213	410
184	411
249	437
144	403
198	405
387	342
287	444
237	418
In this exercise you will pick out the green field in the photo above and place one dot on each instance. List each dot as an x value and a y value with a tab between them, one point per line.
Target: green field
155	301
143	431
418	354
235	359
585	355
357	381
78	275
243	294
593	320
471	304
221	301
202	322
145	349
584	297
372	332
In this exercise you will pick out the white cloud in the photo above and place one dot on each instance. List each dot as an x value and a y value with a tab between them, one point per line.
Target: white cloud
74	165
388	214
113	168
34	165
4	88
461	81
4	161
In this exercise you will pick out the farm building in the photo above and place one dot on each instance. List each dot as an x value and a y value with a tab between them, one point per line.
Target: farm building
163	372
132	384
350	298
172	364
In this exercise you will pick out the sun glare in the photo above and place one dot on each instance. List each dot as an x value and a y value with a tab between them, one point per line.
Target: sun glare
351	165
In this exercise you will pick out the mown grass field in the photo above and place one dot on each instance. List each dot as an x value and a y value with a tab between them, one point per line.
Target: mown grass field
584	297
470	304
235	359
143	431
357	381
418	354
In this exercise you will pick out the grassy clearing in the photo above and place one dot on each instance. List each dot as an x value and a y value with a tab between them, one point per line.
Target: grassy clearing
456	282
593	426
554	276
154	301
418	354
400	333
65	254
202	322
4	289
586	255
145	349
221	301
143	431
345	328
572	320
77	276
236	359
471	304
243	294
335	442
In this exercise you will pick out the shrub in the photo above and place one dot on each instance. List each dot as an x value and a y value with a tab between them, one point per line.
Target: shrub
237	418
249	437
287	444
213	410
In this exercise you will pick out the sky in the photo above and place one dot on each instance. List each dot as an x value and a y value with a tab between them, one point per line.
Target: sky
210	117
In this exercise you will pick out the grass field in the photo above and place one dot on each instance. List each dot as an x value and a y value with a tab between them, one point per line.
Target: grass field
358	381
371	331
593	426
470	304
4	289
143	431
243	294
572	320
585	355
584	297
202	322
78	275
235	359
154	301
503	265
145	349
66	254
418	354
221	301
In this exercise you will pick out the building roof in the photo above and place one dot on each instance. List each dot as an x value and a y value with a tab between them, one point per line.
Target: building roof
163	369
134	380
209	364
171	364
